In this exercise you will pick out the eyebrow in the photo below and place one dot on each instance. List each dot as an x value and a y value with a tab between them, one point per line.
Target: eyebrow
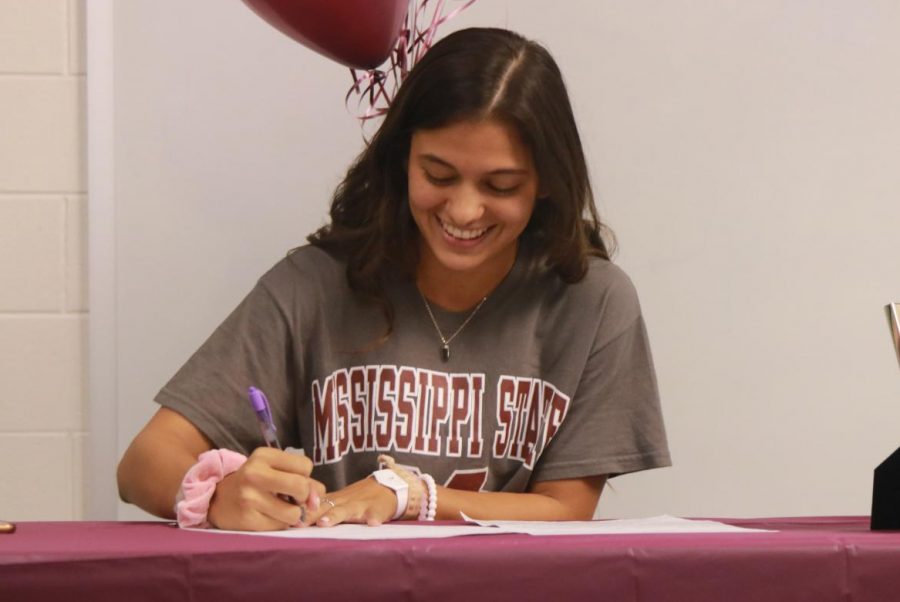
503	170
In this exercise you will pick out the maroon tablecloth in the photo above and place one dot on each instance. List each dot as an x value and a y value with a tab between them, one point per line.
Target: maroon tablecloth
816	559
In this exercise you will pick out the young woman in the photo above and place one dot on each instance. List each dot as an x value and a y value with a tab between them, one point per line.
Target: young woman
459	314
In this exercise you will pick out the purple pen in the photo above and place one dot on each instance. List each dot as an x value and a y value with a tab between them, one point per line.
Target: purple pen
263	412
264	416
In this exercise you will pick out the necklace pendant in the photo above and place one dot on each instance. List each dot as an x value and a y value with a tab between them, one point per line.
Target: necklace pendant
445	353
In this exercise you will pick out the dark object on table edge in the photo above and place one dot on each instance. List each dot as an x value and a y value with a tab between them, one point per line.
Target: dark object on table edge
886	494
886	486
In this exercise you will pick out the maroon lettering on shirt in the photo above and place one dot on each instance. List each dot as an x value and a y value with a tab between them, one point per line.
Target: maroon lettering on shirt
342	426
529	412
467	480
506	394
407	396
371	393
406	409
558	407
424	401
324	450
460	412
477	397
359	409
384	407
439	412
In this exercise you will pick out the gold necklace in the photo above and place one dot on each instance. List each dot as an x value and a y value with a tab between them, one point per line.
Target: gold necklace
445	342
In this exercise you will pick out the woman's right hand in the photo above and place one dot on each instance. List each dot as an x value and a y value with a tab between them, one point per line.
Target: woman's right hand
248	499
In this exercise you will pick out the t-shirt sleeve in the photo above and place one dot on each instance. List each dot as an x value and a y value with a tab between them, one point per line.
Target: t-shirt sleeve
614	424
252	347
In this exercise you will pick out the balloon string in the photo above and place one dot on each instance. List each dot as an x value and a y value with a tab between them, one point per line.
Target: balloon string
438	18
375	88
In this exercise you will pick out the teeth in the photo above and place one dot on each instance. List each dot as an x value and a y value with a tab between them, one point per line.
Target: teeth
462	234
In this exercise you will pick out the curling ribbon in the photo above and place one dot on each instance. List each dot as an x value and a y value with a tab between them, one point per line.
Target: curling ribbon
374	89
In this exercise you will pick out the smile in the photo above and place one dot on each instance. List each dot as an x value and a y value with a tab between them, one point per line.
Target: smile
460	233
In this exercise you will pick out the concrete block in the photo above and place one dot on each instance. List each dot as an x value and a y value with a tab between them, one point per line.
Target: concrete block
76	254
77	37
38	484
31	254
33	36
43	369
42	134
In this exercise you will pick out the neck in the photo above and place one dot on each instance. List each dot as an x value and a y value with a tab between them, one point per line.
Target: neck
459	291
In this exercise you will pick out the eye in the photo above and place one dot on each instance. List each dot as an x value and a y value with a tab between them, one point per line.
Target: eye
503	186
503	190
439	180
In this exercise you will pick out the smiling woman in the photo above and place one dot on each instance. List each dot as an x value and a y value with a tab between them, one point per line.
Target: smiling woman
467	222
472	190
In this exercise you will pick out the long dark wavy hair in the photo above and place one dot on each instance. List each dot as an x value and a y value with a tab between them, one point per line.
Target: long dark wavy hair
472	74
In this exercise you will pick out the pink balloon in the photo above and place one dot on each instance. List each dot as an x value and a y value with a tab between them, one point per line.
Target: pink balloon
357	33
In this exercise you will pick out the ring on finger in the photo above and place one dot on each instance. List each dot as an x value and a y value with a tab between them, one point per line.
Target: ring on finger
327	501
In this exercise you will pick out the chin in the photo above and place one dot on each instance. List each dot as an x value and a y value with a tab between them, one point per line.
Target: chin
457	263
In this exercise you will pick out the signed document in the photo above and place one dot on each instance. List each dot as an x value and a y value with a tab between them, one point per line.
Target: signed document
655	524
399	530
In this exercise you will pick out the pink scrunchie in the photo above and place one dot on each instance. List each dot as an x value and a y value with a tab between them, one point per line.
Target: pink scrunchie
199	485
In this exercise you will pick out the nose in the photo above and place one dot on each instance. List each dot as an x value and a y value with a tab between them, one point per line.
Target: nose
464	206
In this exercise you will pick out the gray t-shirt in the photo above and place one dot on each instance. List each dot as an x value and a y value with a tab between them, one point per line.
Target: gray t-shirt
547	381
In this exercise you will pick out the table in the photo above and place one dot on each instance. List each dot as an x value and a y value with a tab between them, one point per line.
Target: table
820	559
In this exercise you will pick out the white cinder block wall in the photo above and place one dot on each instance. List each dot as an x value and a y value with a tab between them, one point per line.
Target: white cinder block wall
43	241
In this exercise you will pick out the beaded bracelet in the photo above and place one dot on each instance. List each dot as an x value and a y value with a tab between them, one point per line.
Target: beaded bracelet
429	503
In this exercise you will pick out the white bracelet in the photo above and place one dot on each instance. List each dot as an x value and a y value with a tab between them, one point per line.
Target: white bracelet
413	498
429	502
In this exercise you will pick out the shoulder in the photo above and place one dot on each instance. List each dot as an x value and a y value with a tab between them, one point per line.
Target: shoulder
604	301
610	285
305	277
313	259
604	286
614	296
308	265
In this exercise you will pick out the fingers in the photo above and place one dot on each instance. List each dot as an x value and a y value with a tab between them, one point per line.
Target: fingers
350	511
237	505
271	491
336	511
316	495
270	473
363	502
270	510
327	514
284	461
281	473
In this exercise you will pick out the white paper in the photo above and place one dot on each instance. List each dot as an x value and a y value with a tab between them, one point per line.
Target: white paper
390	531
656	524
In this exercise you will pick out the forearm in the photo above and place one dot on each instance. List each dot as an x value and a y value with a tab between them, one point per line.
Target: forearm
150	477
573	499
152	468
500	506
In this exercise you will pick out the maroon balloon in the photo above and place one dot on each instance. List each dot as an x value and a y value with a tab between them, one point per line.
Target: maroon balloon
357	33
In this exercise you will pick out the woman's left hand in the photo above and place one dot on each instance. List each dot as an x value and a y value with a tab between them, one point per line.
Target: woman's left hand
364	501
